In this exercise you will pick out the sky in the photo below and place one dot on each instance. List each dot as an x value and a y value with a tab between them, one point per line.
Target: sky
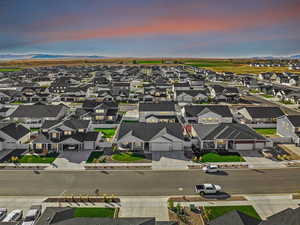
151	28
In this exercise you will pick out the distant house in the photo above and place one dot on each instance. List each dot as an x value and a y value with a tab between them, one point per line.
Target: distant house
260	115
150	137
207	114
224	94
35	115
191	96
13	135
289	126
157	112
227	136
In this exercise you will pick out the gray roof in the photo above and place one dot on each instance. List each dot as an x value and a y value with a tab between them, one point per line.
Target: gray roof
74	124
295	120
264	112
37	111
192	92
286	217
65	216
162	107
146	131
226	131
235	218
194	110
14	130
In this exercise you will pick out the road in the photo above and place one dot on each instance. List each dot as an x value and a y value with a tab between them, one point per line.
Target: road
146	183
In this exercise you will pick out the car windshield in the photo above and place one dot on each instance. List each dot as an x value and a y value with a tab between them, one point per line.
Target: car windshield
29	218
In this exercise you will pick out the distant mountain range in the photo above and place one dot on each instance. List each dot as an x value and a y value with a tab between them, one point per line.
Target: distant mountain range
295	57
47	56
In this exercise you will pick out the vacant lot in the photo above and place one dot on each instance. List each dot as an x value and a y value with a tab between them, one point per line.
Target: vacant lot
149	62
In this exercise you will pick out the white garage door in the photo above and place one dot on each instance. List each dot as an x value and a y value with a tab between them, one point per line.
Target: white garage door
259	145
89	145
177	146
160	147
244	146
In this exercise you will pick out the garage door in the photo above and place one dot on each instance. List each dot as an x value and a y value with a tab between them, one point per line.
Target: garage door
177	146
259	145
160	147
244	146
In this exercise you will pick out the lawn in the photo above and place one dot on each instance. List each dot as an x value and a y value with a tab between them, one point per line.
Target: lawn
17	103
126	157
267	96
214	157
94	156
266	131
94	212
149	62
34	129
9	69
107	132
37	159
215	211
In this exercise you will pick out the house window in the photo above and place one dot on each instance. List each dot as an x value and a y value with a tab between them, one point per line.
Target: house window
100	111
54	135
38	146
67	132
81	130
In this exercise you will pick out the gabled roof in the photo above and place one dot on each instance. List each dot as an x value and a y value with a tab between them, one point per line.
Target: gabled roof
37	111
295	120
226	131
194	110
162	107
14	130
235	218
73	124
264	112
286	217
192	92
147	131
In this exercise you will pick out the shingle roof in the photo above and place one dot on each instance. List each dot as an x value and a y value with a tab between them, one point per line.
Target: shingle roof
37	111
194	110
14	130
146	131
235	218
264	112
226	131
295	120
285	217
163	106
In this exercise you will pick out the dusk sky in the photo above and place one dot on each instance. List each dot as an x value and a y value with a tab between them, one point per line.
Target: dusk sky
149	28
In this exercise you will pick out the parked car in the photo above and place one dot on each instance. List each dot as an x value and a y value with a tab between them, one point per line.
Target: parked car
14	216
3	212
32	215
207	188
211	169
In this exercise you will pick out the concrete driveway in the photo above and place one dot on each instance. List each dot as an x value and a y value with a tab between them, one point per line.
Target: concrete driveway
169	160
144	207
70	160
269	205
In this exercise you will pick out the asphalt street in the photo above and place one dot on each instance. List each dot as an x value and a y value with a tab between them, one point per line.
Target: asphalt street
146	183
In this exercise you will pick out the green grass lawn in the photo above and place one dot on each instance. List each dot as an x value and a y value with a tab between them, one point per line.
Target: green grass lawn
149	62
107	132
34	129
126	157
94	212
17	103
37	159
94	156
267	96
215	211
266	131
9	69
214	157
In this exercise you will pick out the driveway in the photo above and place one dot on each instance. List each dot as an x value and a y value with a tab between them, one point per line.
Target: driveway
70	160
169	160
144	207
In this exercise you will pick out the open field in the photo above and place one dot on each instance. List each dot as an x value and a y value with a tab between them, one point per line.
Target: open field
149	62
9	69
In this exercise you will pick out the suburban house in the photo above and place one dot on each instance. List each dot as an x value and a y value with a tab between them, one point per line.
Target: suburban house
157	112
13	136
260	116
66	216
227	136
34	115
289	126
66	135
191	96
224	94
207	114
150	137
288	216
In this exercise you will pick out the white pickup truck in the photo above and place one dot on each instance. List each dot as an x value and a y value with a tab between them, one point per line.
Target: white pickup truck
207	188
